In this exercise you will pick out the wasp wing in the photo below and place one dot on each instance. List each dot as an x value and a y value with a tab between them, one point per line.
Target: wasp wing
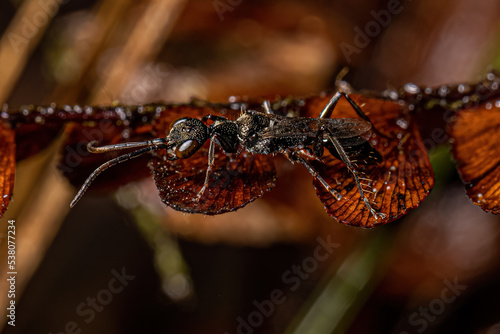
353	135
346	127
358	150
293	127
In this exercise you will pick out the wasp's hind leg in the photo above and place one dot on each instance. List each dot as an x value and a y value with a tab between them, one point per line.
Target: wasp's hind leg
327	111
209	169
345	159
295	156
356	108
267	108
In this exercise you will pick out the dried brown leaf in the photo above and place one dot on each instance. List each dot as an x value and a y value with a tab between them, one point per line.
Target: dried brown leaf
7	166
475	137
398	184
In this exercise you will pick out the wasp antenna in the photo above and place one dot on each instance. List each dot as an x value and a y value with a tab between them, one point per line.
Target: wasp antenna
105	166
108	148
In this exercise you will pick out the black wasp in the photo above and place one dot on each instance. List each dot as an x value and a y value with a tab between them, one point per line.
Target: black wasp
300	139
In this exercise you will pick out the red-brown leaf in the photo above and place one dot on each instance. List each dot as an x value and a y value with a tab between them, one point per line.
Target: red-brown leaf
7	166
401	182
76	163
37	126
475	134
106	125
235	181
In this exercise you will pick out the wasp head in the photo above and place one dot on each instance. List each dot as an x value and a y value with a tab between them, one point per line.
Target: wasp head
186	136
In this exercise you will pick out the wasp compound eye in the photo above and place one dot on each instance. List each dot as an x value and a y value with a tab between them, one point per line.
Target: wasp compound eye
187	149
178	121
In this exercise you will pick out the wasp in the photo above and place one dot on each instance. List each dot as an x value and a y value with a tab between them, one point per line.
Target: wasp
299	139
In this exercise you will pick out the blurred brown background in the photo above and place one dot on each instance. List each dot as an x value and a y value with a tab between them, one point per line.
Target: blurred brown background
434	271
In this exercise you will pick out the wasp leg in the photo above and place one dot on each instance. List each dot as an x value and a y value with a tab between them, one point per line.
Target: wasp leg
327	111
209	169
267	107
294	156
106	165
356	108
347	162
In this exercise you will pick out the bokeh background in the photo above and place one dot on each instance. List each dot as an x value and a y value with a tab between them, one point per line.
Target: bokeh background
434	271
